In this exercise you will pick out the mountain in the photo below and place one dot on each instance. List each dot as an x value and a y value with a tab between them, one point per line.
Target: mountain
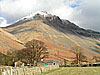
58	34
8	42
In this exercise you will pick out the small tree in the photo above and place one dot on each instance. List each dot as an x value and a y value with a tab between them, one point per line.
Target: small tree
78	54
65	62
96	58
5	60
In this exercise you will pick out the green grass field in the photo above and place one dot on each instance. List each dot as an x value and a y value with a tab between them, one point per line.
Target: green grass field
74	71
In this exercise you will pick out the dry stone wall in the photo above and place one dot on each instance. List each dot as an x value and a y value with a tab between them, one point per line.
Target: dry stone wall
26	70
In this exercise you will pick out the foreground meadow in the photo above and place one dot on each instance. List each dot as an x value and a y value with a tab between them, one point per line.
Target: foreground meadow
74	71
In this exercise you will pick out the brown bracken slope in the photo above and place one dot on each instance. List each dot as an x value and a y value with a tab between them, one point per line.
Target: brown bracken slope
59	36
8	42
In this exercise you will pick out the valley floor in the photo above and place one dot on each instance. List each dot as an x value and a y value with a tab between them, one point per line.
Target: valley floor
74	71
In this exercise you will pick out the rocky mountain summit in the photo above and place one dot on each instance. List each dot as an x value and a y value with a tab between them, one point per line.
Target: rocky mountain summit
55	20
58	34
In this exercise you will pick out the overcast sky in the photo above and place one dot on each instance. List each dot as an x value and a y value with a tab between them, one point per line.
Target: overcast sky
85	13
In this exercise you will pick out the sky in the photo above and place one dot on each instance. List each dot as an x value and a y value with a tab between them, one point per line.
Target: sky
84	13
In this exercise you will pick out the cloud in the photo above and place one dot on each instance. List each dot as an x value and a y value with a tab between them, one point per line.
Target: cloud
63	12
88	14
3	22
14	9
84	13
